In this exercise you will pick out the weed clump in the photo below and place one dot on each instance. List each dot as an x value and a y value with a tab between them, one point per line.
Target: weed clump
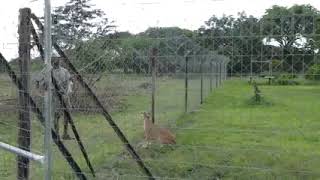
257	98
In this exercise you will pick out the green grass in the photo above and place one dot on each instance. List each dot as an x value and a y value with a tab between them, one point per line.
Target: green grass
231	138
227	137
100	140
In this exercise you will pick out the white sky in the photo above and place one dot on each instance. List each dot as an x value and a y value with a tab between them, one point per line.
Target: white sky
137	15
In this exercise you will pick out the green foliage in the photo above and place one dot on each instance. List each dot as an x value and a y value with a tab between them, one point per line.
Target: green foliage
129	53
286	79
289	22
286	82
317	32
132	52
257	93
257	99
275	63
286	76
313	72
94	56
77	20
165	32
285	26
262	102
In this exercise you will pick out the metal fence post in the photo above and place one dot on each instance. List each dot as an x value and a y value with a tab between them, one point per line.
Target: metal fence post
224	67
186	86
216	74
48	95
24	124
224	70
251	69
220	73
211	72
201	84
241	70
154	69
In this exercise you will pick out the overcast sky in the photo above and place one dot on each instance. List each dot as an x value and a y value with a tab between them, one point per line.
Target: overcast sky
137	15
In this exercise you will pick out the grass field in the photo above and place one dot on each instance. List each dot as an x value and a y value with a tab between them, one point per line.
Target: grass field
101	143
226	138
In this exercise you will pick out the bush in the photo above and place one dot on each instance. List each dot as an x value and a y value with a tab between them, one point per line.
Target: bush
313	73
286	76
286	82
257	98
286	79
257	92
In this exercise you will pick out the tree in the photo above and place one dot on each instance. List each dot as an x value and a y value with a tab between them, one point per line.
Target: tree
213	34
288	25
235	37
292	28
133	54
279	34
317	34
77	20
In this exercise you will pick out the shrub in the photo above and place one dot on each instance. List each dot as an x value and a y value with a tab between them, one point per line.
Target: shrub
286	76
258	98
286	79
286	82
257	92
313	73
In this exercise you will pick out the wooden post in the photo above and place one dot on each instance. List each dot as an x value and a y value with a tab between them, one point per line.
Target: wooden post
154	74
24	124
186	86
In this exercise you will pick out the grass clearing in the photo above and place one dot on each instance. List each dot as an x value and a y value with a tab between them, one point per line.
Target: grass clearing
230	139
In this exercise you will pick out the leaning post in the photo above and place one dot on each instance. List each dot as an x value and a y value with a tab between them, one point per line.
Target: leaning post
24	124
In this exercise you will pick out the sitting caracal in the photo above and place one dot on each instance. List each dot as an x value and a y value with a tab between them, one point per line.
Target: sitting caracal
153	132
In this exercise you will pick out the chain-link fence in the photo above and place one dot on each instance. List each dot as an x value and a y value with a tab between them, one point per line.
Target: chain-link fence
233	99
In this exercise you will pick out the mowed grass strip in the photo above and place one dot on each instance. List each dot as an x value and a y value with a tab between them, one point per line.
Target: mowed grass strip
237	139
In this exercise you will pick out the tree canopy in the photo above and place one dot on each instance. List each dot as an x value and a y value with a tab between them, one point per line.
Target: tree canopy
282	35
78	20
287	34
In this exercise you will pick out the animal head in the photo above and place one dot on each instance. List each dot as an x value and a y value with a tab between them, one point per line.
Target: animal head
55	63
146	115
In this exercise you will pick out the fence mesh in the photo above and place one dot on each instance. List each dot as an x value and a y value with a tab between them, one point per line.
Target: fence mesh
239	94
